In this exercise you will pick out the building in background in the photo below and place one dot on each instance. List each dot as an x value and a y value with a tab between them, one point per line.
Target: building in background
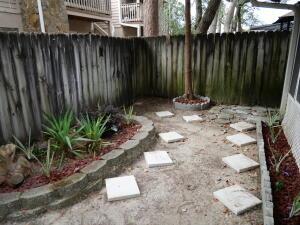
119	18
284	23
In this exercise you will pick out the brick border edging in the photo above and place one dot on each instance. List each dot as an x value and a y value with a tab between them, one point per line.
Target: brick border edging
266	190
194	107
32	202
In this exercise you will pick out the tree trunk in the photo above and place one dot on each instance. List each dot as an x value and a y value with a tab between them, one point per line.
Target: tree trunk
213	26
239	20
234	20
229	15
188	90
209	15
198	15
151	25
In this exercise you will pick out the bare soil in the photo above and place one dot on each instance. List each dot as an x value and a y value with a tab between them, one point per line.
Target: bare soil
289	176
181	194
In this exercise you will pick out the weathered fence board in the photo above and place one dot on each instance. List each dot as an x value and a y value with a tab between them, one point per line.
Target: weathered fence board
241	68
53	72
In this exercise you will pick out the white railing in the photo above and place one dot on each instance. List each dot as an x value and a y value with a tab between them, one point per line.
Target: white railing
98	6
131	12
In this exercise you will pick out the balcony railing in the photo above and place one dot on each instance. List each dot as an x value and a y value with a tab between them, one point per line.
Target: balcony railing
97	6
131	12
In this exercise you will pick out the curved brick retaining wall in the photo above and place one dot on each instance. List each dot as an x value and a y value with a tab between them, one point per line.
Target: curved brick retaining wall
65	192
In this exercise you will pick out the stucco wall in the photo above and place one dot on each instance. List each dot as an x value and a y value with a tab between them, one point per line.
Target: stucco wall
55	16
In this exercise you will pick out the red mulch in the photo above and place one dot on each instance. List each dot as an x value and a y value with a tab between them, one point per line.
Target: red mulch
74	165
190	101
289	175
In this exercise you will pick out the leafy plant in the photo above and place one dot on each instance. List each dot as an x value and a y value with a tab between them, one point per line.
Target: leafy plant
277	160
93	130
279	186
47	164
295	211
128	115
274	123
26	149
60	131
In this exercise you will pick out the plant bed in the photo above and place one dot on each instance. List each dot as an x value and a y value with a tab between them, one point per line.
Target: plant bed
78	176
73	165
198	103
285	179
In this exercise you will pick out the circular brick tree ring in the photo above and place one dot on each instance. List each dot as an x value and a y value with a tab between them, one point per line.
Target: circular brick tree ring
192	107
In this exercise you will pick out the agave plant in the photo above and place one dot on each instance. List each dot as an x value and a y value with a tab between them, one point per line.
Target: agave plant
93	129
47	164
274	123
295	211
26	149
62	134
128	115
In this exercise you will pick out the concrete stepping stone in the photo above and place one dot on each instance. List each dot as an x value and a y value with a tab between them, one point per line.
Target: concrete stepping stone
240	162
120	188
241	139
157	158
164	114
171	137
243	126
193	118
237	199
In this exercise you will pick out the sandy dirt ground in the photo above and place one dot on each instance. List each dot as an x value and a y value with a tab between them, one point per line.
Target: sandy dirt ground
181	194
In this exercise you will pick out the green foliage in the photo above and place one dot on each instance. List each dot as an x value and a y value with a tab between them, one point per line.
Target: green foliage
295	211
174	17
27	149
279	186
60	131
128	115
274	123
47	164
93	130
277	158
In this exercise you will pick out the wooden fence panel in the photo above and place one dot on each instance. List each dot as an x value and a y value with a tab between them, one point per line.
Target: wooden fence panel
49	73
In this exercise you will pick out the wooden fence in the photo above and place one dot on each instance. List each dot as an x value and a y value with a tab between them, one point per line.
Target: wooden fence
242	68
49	73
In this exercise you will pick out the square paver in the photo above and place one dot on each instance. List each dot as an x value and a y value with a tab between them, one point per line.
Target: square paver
237	199
193	118
243	126
171	137
241	139
120	188
164	114
157	158
240	162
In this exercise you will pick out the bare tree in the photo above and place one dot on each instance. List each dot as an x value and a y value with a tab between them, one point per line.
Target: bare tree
151	25
198	14
229	15
208	15
213	26
188	90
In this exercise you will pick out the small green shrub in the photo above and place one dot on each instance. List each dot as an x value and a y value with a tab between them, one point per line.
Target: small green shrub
274	123
47	164
295	211
279	185
93	129
27	149
277	159
64	137
128	115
